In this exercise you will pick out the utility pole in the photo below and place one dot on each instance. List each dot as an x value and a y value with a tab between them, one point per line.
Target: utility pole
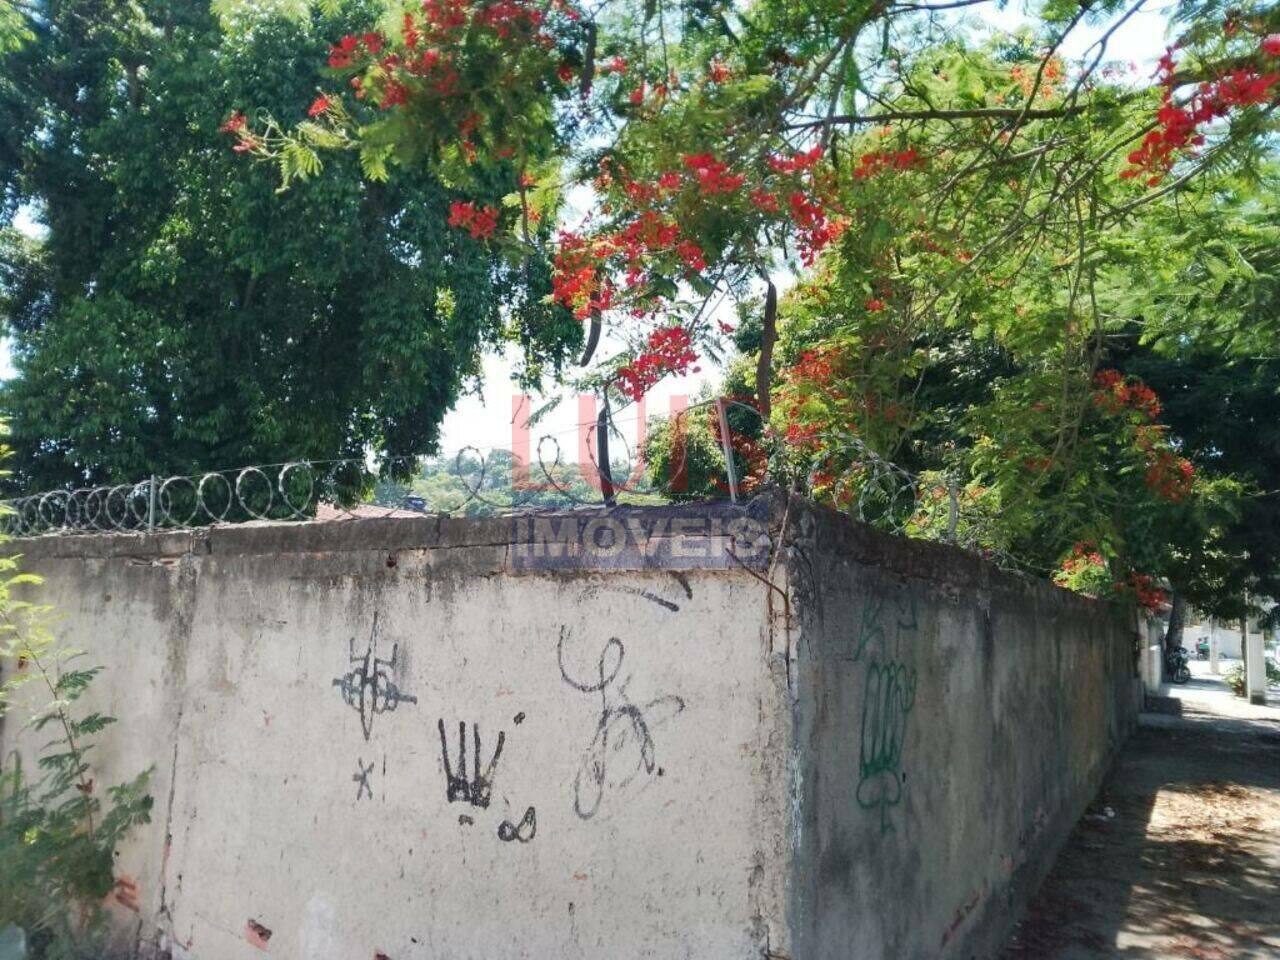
1213	646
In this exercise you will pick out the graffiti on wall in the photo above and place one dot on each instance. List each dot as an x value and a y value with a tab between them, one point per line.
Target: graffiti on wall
524	831
368	687
478	789
622	747
361	778
888	696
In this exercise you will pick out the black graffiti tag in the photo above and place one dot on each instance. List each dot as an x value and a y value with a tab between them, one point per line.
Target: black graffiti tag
478	790
524	831
361	778
368	688
622	726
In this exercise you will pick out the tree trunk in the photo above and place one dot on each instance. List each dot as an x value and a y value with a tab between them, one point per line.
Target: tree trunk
1178	613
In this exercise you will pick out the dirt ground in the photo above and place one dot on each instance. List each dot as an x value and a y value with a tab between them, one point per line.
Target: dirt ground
1179	857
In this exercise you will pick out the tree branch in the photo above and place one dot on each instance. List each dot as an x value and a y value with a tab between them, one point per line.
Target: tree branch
974	113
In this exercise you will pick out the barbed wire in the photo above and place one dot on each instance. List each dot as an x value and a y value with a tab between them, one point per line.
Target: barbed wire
844	472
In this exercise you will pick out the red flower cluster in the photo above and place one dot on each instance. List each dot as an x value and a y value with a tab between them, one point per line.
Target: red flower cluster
1179	125
713	175
814	228
877	162
1084	559
669	351
480	221
506	16
344	53
576	280
238	124
765	200
1271	45
806	437
814	366
797	162
1169	475
1144	588
318	106
1113	395
432	41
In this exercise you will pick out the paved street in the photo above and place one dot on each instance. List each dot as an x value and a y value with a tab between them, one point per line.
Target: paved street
1179	857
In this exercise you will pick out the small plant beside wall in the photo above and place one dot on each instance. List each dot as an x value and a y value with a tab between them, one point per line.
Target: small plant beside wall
1235	677
58	828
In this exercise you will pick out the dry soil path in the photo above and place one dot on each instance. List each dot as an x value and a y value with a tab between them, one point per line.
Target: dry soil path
1179	858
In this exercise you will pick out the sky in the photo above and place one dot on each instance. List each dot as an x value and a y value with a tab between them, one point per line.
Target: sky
484	418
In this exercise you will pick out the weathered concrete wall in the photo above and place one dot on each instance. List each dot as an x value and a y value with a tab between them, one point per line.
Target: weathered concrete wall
634	809
952	724
867	749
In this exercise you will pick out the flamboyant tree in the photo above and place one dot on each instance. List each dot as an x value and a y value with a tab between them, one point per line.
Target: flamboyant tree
980	232
722	145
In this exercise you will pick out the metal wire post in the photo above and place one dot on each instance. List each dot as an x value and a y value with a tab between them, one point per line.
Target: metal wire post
726	443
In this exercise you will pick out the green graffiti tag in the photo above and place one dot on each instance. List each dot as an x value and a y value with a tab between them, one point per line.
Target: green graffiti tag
888	696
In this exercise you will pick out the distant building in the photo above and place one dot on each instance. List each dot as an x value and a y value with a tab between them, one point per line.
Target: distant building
1225	633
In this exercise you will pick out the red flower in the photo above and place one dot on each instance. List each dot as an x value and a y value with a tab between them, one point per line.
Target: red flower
480	221
669	350
318	106
1179	126
878	161
565	72
713	175
235	123
766	201
343	53
1271	45
373	43
691	254
394	94
800	161
637	95
718	73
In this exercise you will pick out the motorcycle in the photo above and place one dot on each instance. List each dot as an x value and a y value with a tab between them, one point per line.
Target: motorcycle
1202	649
1176	666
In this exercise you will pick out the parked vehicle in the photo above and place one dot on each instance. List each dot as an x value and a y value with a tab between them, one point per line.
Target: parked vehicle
1176	666
1202	648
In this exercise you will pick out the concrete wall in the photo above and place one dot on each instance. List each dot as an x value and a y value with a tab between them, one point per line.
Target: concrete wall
869	748
634	811
953	723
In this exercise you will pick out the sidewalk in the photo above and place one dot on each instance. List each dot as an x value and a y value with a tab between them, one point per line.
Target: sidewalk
1179	858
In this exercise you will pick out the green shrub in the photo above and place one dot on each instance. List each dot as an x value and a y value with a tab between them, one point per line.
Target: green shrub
58	835
1235	676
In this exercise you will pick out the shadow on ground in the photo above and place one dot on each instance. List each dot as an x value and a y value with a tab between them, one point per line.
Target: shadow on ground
1178	857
